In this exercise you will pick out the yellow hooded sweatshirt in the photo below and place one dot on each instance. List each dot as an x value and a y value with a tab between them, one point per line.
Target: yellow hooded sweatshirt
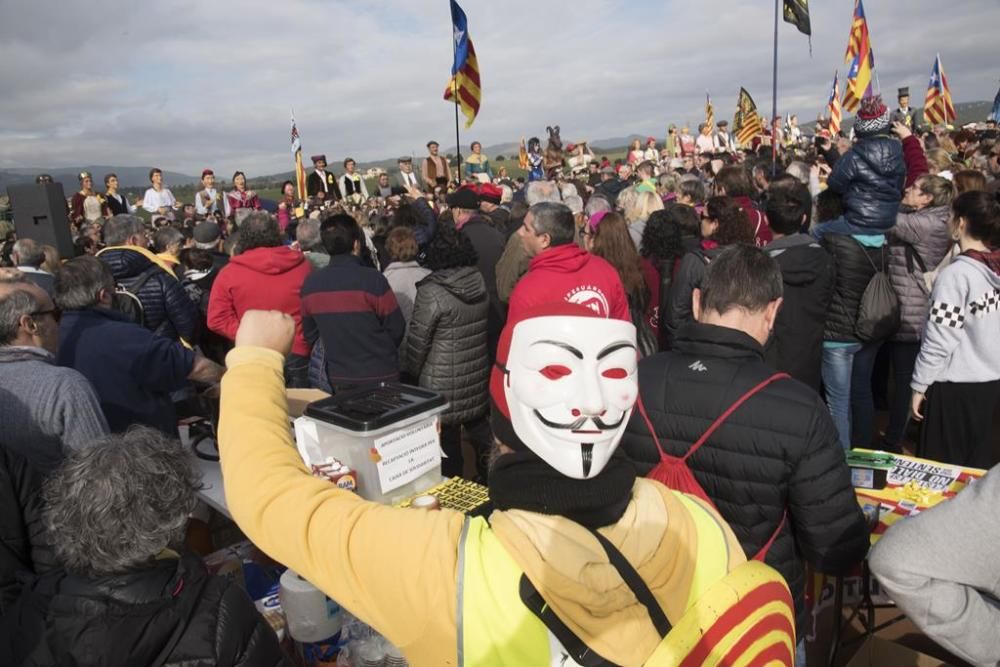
396	569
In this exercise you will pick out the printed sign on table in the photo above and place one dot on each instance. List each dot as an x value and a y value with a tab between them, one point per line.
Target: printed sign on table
407	454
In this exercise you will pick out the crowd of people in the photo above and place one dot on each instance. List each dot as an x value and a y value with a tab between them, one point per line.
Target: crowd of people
846	277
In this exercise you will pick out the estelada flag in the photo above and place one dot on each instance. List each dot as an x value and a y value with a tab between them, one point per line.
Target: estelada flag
833	106
747	124
464	81
797	13
938	107
709	111
859	32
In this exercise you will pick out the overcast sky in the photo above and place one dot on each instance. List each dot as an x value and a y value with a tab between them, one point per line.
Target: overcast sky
184	85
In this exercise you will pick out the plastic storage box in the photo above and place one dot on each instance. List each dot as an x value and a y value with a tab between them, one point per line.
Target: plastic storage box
388	434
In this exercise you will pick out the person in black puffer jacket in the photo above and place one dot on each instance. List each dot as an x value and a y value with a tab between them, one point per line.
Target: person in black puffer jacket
723	222
446	345
870	177
124	598
167	310
775	456
23	544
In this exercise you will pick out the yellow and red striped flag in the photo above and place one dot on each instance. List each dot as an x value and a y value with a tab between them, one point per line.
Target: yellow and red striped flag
938	107
300	172
709	111
833	106
747	124
464	81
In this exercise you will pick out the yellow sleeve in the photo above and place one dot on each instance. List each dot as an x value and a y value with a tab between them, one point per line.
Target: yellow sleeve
395	569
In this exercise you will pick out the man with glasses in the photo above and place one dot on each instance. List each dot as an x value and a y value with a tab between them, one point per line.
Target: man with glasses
45	409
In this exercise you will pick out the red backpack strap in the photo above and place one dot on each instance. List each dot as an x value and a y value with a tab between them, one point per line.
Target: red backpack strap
652	431
762	554
720	420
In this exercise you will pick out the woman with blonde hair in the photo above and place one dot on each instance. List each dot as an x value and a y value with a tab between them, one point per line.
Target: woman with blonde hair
637	212
607	236
918	242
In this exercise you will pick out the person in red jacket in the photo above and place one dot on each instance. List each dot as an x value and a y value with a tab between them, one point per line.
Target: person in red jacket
264	275
561	271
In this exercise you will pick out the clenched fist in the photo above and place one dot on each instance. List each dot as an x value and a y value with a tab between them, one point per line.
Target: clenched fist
266	328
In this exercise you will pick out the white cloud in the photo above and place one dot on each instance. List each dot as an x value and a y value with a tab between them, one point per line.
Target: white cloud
188	84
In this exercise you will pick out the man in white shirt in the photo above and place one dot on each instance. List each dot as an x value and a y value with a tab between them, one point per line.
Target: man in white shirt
351	183
159	200
206	202
27	255
724	140
407	178
704	143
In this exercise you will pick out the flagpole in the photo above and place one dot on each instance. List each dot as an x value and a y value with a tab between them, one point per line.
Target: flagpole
458	142
774	88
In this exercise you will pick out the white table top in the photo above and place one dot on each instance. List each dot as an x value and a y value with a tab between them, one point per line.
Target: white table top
213	493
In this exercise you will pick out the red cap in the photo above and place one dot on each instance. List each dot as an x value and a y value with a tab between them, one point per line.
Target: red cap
207	172
491	193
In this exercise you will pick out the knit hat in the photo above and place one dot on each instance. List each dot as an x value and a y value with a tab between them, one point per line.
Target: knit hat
465	198
872	118
206	232
541	404
491	193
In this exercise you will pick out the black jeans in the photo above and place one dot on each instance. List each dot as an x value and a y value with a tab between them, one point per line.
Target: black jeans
480	435
904	358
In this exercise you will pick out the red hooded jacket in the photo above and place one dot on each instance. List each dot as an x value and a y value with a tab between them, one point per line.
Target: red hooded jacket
263	279
568	273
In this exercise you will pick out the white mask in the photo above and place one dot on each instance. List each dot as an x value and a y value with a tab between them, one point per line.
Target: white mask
570	386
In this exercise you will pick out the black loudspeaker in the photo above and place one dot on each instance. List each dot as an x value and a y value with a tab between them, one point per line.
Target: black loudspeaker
40	215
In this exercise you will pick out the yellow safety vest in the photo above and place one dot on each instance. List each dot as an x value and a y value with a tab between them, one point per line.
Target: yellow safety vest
729	617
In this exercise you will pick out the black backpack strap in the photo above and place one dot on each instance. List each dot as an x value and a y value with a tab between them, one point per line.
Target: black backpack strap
913	256
577	649
142	279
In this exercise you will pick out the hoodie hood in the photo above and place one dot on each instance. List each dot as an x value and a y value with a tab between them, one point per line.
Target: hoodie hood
568	258
270	261
989	261
464	283
574	576
800	257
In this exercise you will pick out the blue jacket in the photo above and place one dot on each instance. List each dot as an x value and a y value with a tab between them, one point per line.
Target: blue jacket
133	370
870	178
167	308
353	309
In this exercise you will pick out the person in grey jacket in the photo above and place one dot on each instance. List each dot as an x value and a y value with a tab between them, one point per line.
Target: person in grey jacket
446	347
958	368
917	244
45	410
403	272
940	568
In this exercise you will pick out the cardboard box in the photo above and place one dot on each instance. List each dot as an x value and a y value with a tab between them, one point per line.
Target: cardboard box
875	652
298	399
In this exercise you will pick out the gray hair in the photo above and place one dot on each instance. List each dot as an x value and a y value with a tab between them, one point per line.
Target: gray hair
119	229
597	204
800	170
79	283
307	234
15	303
554	219
29	253
538	192
508	194
574	203
165	237
119	502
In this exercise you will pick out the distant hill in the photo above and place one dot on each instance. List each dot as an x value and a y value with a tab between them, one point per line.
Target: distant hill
128	177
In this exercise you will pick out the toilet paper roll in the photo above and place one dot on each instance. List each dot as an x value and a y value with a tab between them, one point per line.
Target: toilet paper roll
311	615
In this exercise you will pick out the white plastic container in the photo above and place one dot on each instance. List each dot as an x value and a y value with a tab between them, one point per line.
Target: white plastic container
393	461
